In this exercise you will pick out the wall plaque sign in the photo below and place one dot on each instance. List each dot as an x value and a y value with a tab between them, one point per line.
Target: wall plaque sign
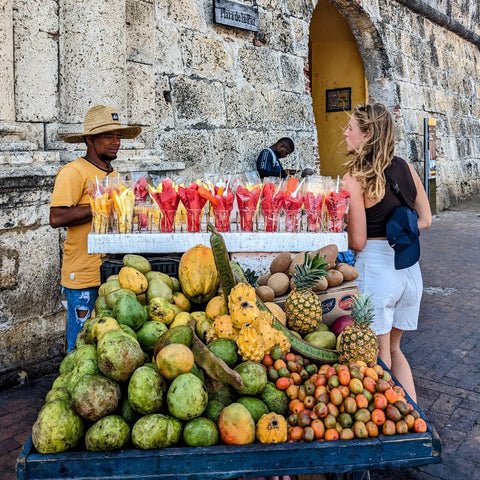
235	15
338	99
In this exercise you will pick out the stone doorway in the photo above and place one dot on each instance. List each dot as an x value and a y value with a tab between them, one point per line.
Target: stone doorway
348	63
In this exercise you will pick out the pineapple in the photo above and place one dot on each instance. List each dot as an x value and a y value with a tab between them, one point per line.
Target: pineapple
302	306
359	341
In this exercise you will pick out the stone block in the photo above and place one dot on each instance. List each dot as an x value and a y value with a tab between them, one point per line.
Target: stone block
247	108
36	287
141	93
298	9
190	13
293	77
198	103
290	111
140	18
7	105
205	56
278	31
8	265
87	79
300	32
259	65
168	57
192	147
36	88
163	102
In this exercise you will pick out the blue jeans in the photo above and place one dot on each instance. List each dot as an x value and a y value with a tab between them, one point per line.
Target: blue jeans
80	304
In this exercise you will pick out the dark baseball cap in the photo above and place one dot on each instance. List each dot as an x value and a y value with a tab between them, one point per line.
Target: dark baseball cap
403	236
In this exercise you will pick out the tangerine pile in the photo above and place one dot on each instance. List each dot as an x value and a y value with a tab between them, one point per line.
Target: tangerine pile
341	402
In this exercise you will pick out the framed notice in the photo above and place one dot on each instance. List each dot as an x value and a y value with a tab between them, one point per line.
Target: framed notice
338	99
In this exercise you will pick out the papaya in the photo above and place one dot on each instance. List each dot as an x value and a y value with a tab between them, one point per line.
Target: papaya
137	262
132	279
198	274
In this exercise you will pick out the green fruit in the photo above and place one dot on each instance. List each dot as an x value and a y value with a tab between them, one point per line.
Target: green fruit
128	413
149	334
57	428
130	311
181	334
128	330
105	288
119	355
161	310
198	372
276	400
100	304
68	363
200	432
322	327
255	406
187	397
61	381
213	410
225	349
146	390
87	367
85	352
95	396
159	289
137	262
322	339
276	352
156	431
176	284
254	377
153	275
112	297
221	392
58	394
108	433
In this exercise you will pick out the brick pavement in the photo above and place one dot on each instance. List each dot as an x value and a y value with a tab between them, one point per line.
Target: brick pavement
444	354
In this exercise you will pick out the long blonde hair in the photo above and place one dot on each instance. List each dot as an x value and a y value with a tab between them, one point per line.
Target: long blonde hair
369	162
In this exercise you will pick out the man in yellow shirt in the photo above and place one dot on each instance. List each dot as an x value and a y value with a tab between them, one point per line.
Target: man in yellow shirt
70	208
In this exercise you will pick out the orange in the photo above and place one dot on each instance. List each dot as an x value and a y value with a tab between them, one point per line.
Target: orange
419	425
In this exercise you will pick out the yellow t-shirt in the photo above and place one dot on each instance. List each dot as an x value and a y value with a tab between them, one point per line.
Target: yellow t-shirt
79	269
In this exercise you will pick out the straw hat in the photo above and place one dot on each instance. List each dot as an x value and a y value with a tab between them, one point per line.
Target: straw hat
102	119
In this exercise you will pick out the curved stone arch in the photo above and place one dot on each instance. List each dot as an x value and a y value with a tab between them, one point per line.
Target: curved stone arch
372	49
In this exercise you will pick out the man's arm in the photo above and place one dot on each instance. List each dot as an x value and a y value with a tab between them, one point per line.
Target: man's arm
69	216
266	167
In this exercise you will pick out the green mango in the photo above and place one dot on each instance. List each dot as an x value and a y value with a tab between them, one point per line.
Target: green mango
159	289
160	276
129	311
112	297
160	310
108	287
101	303
137	262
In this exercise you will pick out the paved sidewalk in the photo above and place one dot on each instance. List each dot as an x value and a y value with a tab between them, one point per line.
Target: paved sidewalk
444	354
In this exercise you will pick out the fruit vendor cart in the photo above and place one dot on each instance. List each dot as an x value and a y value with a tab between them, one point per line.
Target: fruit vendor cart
226	462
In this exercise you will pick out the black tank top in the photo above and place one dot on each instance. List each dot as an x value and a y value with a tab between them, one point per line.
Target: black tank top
378	215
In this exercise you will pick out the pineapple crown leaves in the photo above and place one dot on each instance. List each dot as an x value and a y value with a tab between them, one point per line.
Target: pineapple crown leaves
308	273
363	310
251	277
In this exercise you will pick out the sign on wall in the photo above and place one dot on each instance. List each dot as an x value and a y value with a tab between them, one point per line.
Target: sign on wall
235	15
338	99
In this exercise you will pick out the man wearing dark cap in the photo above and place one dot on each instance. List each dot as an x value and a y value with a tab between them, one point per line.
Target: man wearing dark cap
70	208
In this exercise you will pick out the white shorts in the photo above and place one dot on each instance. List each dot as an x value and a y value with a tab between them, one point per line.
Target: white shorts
396	294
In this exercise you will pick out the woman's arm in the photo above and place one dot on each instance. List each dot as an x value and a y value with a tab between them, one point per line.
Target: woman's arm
69	216
422	205
357	222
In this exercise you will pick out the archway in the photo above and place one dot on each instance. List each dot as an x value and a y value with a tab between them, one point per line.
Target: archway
338	82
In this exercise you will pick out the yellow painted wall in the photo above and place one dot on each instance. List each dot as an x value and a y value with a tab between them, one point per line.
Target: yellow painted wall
334	63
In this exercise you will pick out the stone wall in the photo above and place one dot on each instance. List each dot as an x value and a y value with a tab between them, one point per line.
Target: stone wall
208	98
